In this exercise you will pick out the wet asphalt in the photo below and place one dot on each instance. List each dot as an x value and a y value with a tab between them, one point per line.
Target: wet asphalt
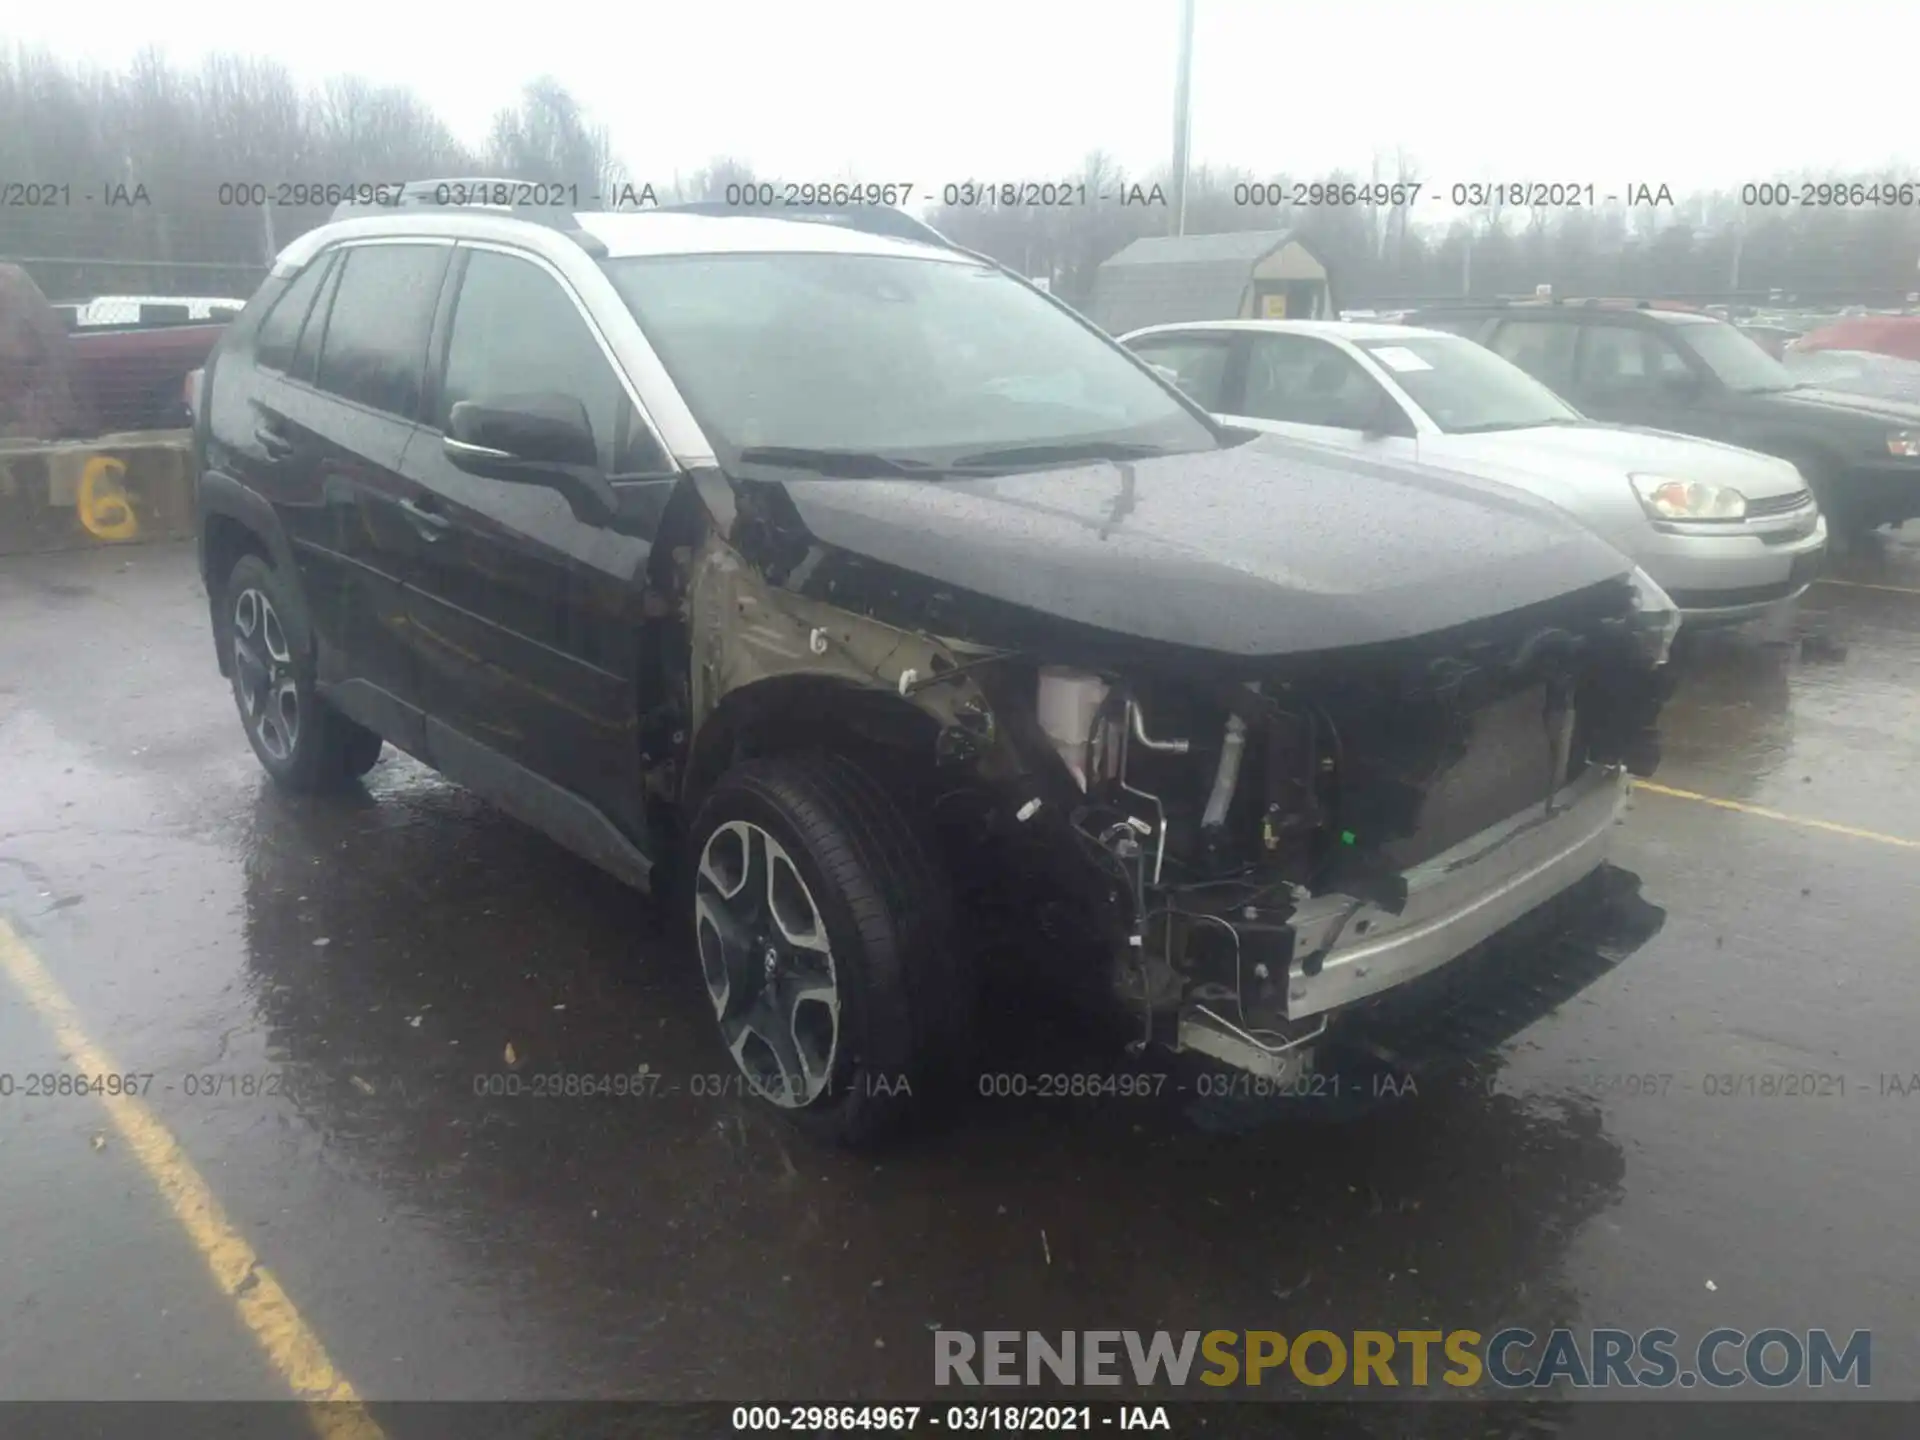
343	975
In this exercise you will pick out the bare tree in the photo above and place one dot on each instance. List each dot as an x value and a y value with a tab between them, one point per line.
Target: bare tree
547	138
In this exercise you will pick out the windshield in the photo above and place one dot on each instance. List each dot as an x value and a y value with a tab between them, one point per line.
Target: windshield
912	359
1465	387
1735	358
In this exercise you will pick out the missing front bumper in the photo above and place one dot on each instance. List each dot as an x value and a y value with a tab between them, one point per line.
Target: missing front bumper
1455	901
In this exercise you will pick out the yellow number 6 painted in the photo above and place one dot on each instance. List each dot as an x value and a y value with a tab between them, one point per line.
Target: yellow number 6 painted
103	504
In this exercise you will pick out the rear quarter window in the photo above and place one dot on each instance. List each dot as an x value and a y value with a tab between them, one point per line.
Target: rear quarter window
280	329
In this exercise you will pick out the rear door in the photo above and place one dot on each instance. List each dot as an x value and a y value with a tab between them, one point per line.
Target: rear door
529	620
1309	388
330	429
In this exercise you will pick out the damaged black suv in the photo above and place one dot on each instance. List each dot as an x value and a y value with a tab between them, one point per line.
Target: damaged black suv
831	580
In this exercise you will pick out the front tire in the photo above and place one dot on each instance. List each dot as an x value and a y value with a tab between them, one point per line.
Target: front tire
300	740
1847	531
825	938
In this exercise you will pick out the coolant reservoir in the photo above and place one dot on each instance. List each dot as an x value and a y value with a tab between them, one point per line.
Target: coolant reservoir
1068	701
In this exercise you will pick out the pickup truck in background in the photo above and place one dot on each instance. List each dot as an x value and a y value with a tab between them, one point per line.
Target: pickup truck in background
147	310
135	375
93	424
133	354
98	367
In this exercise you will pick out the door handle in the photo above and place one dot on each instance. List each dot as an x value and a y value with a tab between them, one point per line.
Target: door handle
277	446
427	518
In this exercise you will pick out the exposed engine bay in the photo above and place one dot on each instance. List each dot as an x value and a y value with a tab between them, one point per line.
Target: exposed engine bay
1238	846
1222	811
1212	817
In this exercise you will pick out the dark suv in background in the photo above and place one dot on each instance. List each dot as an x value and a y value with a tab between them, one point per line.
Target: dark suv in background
824	577
1673	368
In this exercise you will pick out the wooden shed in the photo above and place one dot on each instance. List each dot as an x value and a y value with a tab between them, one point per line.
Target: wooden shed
1247	275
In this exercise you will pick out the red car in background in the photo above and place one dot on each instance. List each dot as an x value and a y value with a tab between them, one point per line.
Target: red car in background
1882	334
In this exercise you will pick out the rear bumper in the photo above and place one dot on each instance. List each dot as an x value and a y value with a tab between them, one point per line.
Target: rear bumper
1455	900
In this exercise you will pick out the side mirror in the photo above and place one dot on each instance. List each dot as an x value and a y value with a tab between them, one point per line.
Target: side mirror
543	439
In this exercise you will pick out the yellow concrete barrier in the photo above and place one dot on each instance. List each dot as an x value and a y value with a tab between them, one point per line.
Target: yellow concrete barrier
113	490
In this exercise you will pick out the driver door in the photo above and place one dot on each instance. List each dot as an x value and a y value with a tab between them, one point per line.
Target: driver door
1305	387
528	620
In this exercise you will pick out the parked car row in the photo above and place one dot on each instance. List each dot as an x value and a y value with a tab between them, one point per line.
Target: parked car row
1686	372
1670	432
1726	532
823	576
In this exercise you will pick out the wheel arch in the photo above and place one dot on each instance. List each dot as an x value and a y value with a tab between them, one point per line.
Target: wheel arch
787	714
234	521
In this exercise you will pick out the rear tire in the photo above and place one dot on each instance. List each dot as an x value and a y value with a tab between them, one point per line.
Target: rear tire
825	937
301	741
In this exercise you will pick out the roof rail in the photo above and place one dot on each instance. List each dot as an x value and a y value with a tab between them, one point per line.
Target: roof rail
869	219
1583	302
475	197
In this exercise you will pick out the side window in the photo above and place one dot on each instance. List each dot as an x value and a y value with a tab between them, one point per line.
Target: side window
516	331
1542	348
1627	358
375	348
306	355
1309	382
273	346
1198	363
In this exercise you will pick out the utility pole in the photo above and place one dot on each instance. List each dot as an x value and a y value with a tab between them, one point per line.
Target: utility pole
1182	117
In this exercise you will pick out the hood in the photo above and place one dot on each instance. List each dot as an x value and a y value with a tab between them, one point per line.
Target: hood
1268	548
1896	413
1613	451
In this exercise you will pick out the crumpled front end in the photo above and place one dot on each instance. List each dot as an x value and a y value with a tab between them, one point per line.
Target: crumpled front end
1268	846
1230	850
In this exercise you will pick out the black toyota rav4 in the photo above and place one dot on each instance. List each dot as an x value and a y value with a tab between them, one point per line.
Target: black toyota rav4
831	580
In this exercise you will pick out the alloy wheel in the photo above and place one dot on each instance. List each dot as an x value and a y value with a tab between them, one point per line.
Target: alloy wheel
768	965
263	674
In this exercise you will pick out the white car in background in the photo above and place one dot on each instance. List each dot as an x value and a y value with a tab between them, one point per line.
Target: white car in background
1728	533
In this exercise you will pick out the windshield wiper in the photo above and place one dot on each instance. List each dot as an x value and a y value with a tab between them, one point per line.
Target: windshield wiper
847	464
1063	453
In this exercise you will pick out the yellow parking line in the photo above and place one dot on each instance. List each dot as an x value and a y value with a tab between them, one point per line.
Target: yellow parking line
1865	585
291	1347
1767	814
